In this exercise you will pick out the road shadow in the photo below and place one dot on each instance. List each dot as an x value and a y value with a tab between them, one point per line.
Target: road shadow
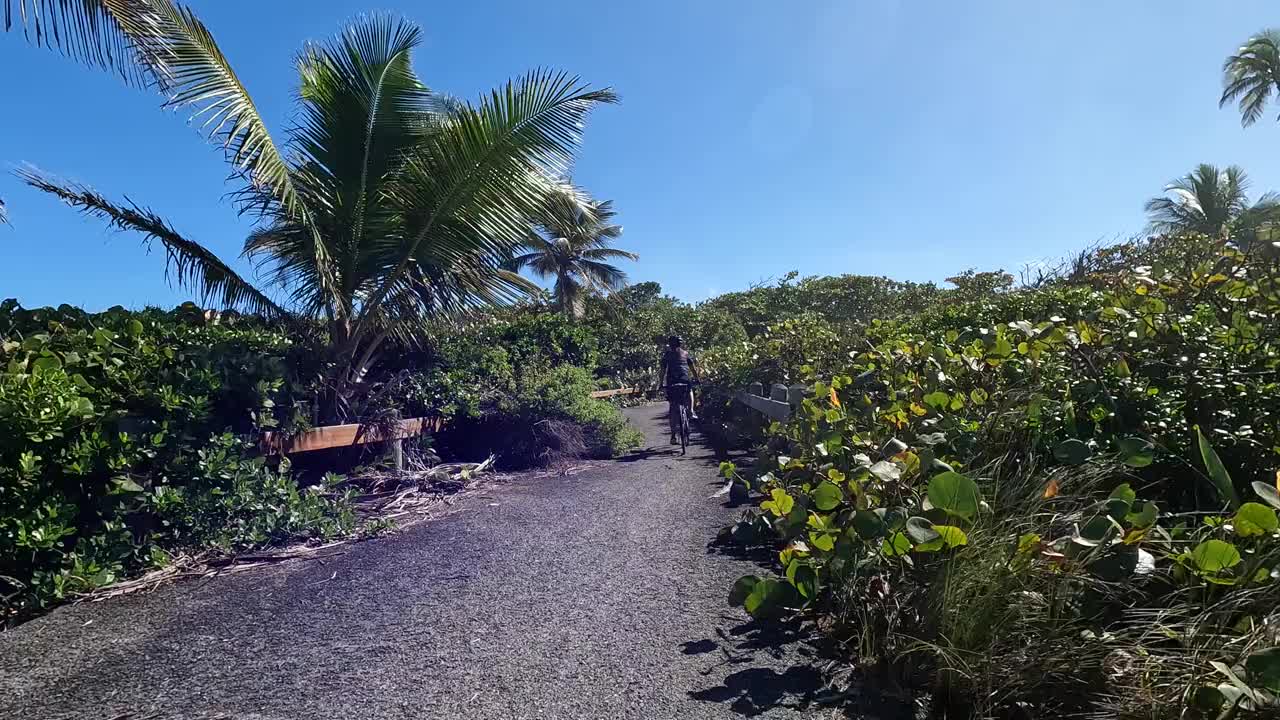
751	691
724	543
649	453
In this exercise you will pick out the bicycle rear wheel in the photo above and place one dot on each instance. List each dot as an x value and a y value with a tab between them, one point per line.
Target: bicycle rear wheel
684	429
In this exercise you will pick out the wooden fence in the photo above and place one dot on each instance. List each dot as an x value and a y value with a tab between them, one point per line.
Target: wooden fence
343	436
777	404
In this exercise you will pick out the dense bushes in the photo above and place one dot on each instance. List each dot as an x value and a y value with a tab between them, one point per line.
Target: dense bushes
114	445
1045	503
519	385
126	437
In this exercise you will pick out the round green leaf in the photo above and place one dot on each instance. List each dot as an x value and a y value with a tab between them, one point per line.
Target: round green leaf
1145	517
886	471
1072	452
1136	451
742	587
781	503
768	598
1098	528
954	494
804	578
46	363
1253	519
951	535
937	400
827	496
822	541
1213	556
868	525
896	545
921	531
1125	493
1208	698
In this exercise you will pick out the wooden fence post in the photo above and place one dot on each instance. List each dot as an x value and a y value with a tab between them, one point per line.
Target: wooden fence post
795	395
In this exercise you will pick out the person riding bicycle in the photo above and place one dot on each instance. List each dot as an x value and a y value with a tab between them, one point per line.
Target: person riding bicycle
677	372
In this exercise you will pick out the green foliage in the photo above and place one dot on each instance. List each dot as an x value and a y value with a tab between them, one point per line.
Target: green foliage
519	385
115	450
969	490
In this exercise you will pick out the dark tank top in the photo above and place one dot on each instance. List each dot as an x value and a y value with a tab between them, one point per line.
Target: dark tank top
677	361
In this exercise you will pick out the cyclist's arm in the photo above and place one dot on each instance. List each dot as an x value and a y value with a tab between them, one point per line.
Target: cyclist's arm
693	365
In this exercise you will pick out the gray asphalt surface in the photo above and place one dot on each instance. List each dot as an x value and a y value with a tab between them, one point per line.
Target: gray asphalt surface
590	596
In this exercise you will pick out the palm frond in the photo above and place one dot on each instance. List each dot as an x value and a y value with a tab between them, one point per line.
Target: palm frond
601	275
1252	75
469	189
191	70
4	214
362	109
285	254
189	67
190	264
1208	200
608	253
89	31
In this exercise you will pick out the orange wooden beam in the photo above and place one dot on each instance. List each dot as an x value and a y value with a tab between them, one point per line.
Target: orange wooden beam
612	393
336	436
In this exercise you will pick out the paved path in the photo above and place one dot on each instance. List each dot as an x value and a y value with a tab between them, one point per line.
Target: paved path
593	596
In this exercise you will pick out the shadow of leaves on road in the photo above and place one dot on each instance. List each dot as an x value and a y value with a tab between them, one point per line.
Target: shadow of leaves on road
761	554
755	690
649	453
698	647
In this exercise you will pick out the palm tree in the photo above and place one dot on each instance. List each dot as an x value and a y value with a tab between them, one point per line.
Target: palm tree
1252	75
1213	202
388	205
571	244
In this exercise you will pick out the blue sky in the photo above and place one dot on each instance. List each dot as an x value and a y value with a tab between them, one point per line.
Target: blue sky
910	139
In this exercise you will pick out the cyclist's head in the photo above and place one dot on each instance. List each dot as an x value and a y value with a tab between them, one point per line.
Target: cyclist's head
675	341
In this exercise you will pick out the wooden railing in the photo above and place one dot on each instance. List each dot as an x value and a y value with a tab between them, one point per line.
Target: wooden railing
779	402
338	436
614	393
344	436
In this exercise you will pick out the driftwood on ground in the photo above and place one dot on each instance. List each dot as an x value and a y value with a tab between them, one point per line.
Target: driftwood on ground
404	498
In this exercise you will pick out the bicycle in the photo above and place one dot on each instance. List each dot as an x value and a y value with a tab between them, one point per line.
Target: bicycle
682	391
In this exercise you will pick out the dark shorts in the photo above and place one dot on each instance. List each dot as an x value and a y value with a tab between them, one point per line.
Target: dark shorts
678	392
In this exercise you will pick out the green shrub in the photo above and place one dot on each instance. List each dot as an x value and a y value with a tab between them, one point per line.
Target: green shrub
1043	503
114	449
518	385
548	419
